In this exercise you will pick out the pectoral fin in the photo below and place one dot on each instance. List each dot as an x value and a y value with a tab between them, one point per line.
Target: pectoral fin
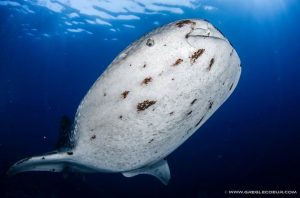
53	162
160	170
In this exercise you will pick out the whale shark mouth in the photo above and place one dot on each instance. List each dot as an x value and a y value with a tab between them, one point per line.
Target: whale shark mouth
205	31
208	36
191	39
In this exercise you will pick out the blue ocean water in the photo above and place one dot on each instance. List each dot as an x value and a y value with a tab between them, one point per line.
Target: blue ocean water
51	52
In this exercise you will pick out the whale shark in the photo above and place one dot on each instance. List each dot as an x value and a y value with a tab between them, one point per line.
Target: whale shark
152	97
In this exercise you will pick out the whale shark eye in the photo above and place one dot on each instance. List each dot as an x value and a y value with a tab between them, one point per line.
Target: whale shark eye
150	42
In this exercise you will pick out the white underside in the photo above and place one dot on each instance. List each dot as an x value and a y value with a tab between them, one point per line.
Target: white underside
140	138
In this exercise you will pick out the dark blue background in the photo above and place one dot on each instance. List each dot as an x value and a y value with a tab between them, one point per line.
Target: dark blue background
252	141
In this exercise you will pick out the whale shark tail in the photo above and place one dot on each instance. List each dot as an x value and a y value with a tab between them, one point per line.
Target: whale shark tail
53	162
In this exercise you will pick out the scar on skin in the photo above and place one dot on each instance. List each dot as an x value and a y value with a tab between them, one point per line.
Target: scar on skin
93	137
145	104
211	64
180	24
189	113
177	62
230	86
196	55
146	80
210	104
125	94
193	101
150	141
23	160
199	121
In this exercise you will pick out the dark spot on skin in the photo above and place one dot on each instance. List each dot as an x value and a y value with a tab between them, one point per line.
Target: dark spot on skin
231	52
93	137
193	101
155	151
104	94
211	64
180	24
150	141
146	80
144	105
43	158
199	121
144	65
70	153
125	93
160	73
196	55
189	113
23	160
150	42
230	87
165	44
121	117
53	170
177	62
173	78
210	104
130	65
171	113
